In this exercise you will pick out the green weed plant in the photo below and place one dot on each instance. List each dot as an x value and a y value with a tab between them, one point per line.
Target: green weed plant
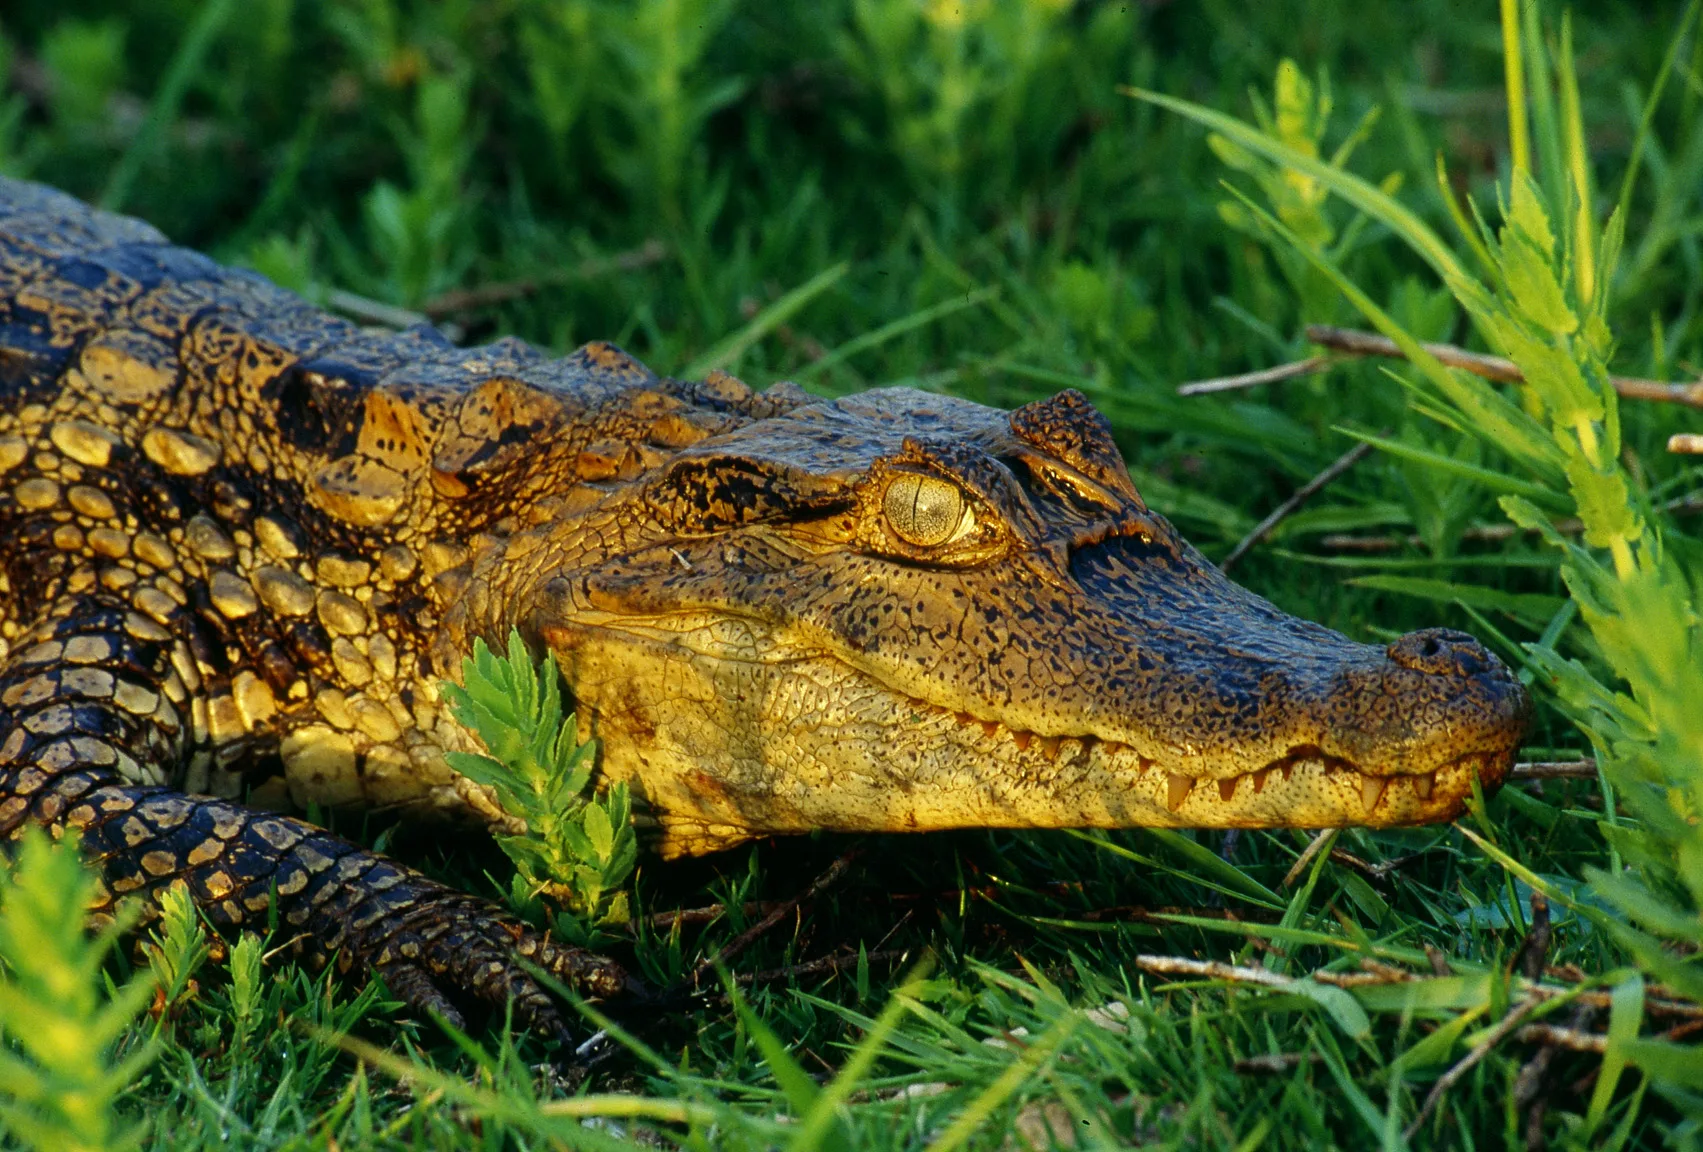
65	1058
578	849
1543	301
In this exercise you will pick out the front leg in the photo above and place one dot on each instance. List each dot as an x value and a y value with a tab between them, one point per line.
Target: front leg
92	729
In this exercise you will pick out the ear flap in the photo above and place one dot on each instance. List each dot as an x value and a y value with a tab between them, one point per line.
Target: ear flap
1069	428
700	494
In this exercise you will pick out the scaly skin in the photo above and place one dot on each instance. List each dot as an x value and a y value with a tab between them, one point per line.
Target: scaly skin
241	541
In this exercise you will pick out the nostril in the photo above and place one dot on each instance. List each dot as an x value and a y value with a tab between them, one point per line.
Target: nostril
1442	651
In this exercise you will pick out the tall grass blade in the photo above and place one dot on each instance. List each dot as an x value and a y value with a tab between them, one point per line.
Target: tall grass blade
727	352
186	64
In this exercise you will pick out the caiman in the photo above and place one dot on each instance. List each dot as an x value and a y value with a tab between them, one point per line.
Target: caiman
243	541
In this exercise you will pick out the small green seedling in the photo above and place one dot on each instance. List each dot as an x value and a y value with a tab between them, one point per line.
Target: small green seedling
578	849
60	1076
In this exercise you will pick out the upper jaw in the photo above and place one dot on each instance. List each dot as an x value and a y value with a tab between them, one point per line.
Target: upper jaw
1300	777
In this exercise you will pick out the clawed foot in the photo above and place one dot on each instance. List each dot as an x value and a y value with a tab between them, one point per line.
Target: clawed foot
442	951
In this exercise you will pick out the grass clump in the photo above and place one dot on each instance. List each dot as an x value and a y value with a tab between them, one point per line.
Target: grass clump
59	1079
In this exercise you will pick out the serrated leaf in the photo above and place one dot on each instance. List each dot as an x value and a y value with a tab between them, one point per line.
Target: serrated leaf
595	821
1605	505
1531	282
577	842
618	913
478	768
1527	216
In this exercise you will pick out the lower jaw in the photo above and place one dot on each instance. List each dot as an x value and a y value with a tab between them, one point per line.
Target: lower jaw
1302	794
724	750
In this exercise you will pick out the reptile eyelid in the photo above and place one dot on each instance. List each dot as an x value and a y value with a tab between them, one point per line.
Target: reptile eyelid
926	511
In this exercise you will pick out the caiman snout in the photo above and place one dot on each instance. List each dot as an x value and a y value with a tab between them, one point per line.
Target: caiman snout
1445	652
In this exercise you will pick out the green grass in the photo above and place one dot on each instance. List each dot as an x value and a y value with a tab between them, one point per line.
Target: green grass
957	196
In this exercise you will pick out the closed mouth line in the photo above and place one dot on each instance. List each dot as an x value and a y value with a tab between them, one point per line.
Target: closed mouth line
1180	786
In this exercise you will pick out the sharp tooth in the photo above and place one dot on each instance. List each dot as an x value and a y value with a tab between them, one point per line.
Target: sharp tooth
1049	745
991	727
1372	790
965	718
1177	790
1260	779
1422	785
1021	739
1227	789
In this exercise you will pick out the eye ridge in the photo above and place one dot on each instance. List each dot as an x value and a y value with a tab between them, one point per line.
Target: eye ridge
924	511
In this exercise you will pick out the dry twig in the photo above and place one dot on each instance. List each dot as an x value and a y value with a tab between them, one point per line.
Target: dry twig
1533	949
1276	1063
743	941
1447	1080
370	311
1486	533
1352	342
1250	379
696	917
826	964
458	300
1585	769
1209	970
1290	506
1688	443
1320	839
1163	915
1357	343
1556	1036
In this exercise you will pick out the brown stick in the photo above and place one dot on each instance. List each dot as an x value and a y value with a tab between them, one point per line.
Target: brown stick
1486	533
1357	343
1275	1064
1209	970
695	917
1163	915
1264	376
1660	1004
1555	1036
1371	870
1319	840
1688	443
818	967
484	295
1447	1080
1535	947
372	311
1289	507
1554	770
743	941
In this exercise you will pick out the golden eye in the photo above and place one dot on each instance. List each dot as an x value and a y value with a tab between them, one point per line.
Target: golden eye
924	510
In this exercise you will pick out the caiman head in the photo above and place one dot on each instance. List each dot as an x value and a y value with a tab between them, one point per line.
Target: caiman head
903	611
